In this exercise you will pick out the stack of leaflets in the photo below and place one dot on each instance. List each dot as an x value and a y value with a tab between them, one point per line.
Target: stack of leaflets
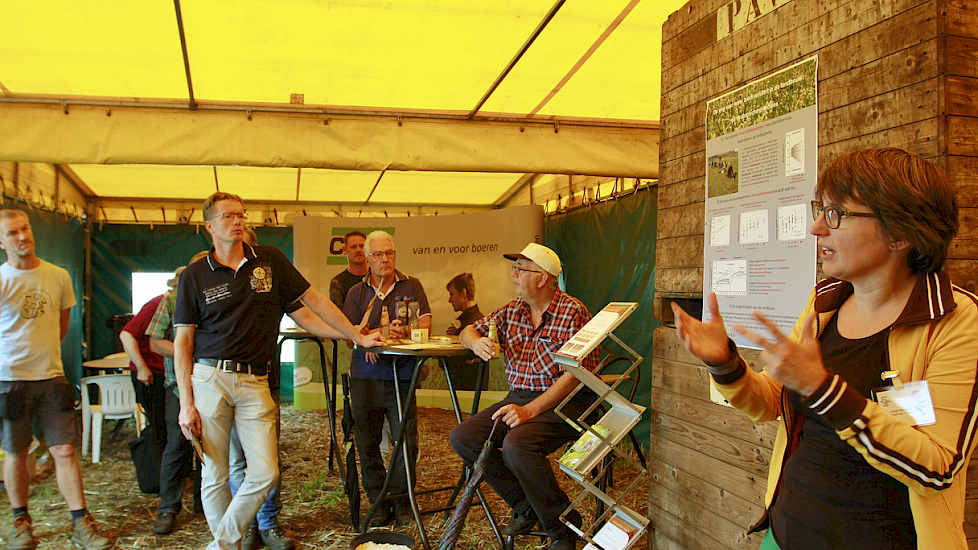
614	535
583	447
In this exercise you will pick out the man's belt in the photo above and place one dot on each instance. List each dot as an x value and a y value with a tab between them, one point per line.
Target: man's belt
228	365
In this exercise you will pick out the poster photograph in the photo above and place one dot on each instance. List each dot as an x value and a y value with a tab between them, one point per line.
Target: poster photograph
761	171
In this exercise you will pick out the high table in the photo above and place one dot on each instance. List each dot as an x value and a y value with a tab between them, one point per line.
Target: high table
421	352
299	334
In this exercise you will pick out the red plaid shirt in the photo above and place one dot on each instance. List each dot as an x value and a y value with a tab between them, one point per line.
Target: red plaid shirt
529	365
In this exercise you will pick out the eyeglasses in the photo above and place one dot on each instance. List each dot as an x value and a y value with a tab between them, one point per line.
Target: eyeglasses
380	255
517	269
833	216
229	216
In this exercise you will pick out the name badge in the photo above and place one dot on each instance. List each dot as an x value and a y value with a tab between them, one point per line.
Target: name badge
911	403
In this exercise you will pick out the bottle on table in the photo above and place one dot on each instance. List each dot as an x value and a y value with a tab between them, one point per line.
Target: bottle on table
385	323
401	309
414	313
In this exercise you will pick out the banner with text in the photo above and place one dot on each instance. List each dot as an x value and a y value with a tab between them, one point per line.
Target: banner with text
432	248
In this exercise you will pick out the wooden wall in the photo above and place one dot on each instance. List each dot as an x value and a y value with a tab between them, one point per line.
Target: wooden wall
900	73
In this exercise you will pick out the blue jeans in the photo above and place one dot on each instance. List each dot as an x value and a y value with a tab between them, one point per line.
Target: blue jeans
268	514
225	400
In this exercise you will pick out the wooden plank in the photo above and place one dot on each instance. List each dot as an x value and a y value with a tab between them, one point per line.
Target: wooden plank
658	541
686	167
964	273
681	534
851	36
734	451
962	55
965	245
704	528
963	174
691	379
920	138
717	418
680	221
909	66
682	121
962	136
688	16
691	41
683	279
739	511
962	18
896	108
690	191
667	346
711	470
679	252
962	96
691	140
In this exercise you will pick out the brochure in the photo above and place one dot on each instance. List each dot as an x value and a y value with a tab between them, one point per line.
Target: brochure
583	446
596	329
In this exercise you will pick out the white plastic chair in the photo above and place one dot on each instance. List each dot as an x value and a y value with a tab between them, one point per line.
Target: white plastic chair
117	400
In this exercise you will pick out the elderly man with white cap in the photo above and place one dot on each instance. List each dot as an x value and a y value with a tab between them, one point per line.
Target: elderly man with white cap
536	323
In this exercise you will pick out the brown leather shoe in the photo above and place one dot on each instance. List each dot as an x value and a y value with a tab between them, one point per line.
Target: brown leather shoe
165	522
22	537
87	536
521	524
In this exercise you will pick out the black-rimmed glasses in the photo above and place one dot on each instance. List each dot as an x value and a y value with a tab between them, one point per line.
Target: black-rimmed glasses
229	216
833	215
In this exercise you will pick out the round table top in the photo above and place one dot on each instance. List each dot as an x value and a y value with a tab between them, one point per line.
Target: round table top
108	363
432	348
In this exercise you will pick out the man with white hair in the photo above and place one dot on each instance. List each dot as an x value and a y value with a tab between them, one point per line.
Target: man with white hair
372	377
530	328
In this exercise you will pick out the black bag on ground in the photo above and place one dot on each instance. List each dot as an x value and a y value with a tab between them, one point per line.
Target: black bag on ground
147	456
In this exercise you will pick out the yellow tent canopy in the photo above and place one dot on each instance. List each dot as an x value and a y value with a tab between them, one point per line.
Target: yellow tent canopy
416	102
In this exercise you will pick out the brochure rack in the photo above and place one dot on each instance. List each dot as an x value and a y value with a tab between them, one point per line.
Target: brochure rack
619	526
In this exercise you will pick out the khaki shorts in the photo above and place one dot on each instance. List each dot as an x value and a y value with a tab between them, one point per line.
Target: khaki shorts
52	402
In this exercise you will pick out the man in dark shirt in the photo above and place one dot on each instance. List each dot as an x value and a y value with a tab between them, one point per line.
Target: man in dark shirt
357	267
461	294
372	376
147	370
229	306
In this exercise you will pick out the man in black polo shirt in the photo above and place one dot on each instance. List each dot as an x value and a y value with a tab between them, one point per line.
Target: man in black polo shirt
229	306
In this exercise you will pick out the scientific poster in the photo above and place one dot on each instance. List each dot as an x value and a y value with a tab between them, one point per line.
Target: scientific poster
761	170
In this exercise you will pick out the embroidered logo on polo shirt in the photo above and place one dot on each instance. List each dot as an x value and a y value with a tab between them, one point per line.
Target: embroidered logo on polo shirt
215	293
261	278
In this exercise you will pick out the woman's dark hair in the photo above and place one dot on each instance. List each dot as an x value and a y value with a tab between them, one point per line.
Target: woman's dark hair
911	196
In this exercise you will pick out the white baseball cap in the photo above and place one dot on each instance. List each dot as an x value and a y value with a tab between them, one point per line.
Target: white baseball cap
544	257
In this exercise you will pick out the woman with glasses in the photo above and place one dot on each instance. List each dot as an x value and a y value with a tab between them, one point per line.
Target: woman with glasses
875	388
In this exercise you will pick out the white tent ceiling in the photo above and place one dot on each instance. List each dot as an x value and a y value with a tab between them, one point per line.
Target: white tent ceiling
108	89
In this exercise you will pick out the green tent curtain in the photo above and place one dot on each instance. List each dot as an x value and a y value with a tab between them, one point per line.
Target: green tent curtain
118	251
608	255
